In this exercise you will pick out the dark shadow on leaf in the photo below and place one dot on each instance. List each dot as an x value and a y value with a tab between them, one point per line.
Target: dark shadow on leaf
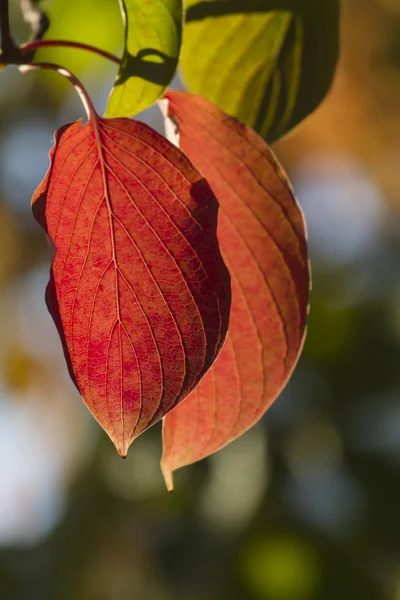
219	8
142	65
39	213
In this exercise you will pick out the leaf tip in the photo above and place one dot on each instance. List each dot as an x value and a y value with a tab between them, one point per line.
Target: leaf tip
121	447
168	476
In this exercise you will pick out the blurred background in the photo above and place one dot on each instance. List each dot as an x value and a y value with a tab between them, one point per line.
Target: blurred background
306	505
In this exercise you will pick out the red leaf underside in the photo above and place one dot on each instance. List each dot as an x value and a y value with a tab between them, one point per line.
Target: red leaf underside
263	241
138	289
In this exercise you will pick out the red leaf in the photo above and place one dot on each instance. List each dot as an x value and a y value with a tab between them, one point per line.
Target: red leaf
138	289
263	241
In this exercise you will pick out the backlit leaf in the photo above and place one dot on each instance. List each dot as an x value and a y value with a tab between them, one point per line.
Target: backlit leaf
138	289
267	62
153	33
263	241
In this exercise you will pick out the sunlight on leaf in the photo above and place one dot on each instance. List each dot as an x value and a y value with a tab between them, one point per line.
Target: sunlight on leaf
138	289
263	241
153	33
267	62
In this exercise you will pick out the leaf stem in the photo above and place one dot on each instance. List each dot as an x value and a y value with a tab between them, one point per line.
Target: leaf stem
78	85
30	46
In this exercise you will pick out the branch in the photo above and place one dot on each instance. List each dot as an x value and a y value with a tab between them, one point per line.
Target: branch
7	43
37	20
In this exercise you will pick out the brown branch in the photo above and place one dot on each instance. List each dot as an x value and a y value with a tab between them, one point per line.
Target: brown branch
7	43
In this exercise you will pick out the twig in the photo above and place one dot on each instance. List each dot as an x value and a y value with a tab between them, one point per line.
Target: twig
31	46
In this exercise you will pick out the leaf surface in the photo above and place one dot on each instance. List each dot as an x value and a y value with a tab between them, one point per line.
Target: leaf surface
263	241
153	34
267	62
138	289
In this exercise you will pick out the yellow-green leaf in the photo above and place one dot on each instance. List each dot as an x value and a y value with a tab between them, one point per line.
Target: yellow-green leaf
153	35
267	62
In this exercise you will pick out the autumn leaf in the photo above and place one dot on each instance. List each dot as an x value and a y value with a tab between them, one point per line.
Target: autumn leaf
263	241
138	289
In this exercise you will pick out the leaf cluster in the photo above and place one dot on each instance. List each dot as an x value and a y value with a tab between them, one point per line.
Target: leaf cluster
180	278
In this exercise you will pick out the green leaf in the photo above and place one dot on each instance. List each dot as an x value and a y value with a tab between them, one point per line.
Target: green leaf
267	62
153	35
